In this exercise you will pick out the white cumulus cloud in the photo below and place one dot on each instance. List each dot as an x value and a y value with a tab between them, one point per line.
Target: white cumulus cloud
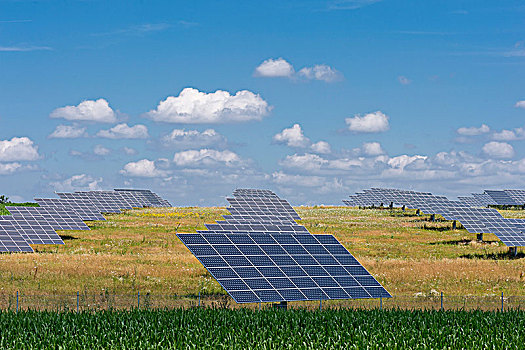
498	150
509	135
206	157
273	68
520	104
124	131
195	107
77	183
321	72
100	150
89	110
474	131
292	137
371	122
403	80
18	149
9	168
321	147
142	168
372	149
181	138
68	132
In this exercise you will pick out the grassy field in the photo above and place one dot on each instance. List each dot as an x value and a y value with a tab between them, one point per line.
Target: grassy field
138	250
199	328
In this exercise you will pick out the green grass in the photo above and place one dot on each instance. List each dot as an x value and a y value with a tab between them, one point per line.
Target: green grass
268	329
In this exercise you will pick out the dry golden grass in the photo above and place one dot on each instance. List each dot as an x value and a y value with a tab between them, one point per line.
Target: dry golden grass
138	250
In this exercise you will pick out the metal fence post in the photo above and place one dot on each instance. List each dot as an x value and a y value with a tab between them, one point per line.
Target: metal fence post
380	303
17	301
441	301
199	298
501	301
138	299
77	301
320	304
259	306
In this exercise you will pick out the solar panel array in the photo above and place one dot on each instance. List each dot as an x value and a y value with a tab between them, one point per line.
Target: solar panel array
260	254
468	211
83	208
38	225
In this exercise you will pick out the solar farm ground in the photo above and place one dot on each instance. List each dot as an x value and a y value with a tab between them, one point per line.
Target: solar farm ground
138	250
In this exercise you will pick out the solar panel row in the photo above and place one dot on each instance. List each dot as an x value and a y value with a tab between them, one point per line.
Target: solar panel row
260	254
468	212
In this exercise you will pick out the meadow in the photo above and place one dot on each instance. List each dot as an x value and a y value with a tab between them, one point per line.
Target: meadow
139	251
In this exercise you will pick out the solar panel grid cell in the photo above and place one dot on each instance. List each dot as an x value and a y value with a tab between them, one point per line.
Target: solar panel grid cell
34	231
57	218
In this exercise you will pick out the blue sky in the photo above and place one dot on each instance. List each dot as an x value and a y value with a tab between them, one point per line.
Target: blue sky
313	99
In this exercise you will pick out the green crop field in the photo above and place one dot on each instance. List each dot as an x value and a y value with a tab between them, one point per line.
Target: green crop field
139	251
268	329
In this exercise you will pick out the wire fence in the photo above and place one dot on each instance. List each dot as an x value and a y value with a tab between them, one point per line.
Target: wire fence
106	301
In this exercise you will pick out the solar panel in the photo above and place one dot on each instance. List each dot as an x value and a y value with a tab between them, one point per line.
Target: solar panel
501	197
84	208
11	240
57	218
111	199
146	197
102	206
264	205
517	195
32	230
484	198
471	201
250	227
282	267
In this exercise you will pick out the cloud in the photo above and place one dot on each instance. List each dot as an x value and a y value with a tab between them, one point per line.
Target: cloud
520	104
307	161
400	162
498	150
509	135
350	4
89	110
473	131
280	68
272	68
292	137
372	149
371	122
129	151
124	131
181	138
68	132
206	157
77	183
322	147
143	168
195	107
18	149
24	48
403	80
138	30
9	168
100	150
321	72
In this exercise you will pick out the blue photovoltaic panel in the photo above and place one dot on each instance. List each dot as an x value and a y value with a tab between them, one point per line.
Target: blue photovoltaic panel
282	267
57	218
11	241
34	231
501	197
84	208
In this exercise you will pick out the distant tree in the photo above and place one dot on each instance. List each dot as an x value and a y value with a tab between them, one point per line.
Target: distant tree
3	199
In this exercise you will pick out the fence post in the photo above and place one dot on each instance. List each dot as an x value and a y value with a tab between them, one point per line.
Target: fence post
17	301
77	300
380	303
501	301
259	306
441	301
199	298
138	299
320	304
